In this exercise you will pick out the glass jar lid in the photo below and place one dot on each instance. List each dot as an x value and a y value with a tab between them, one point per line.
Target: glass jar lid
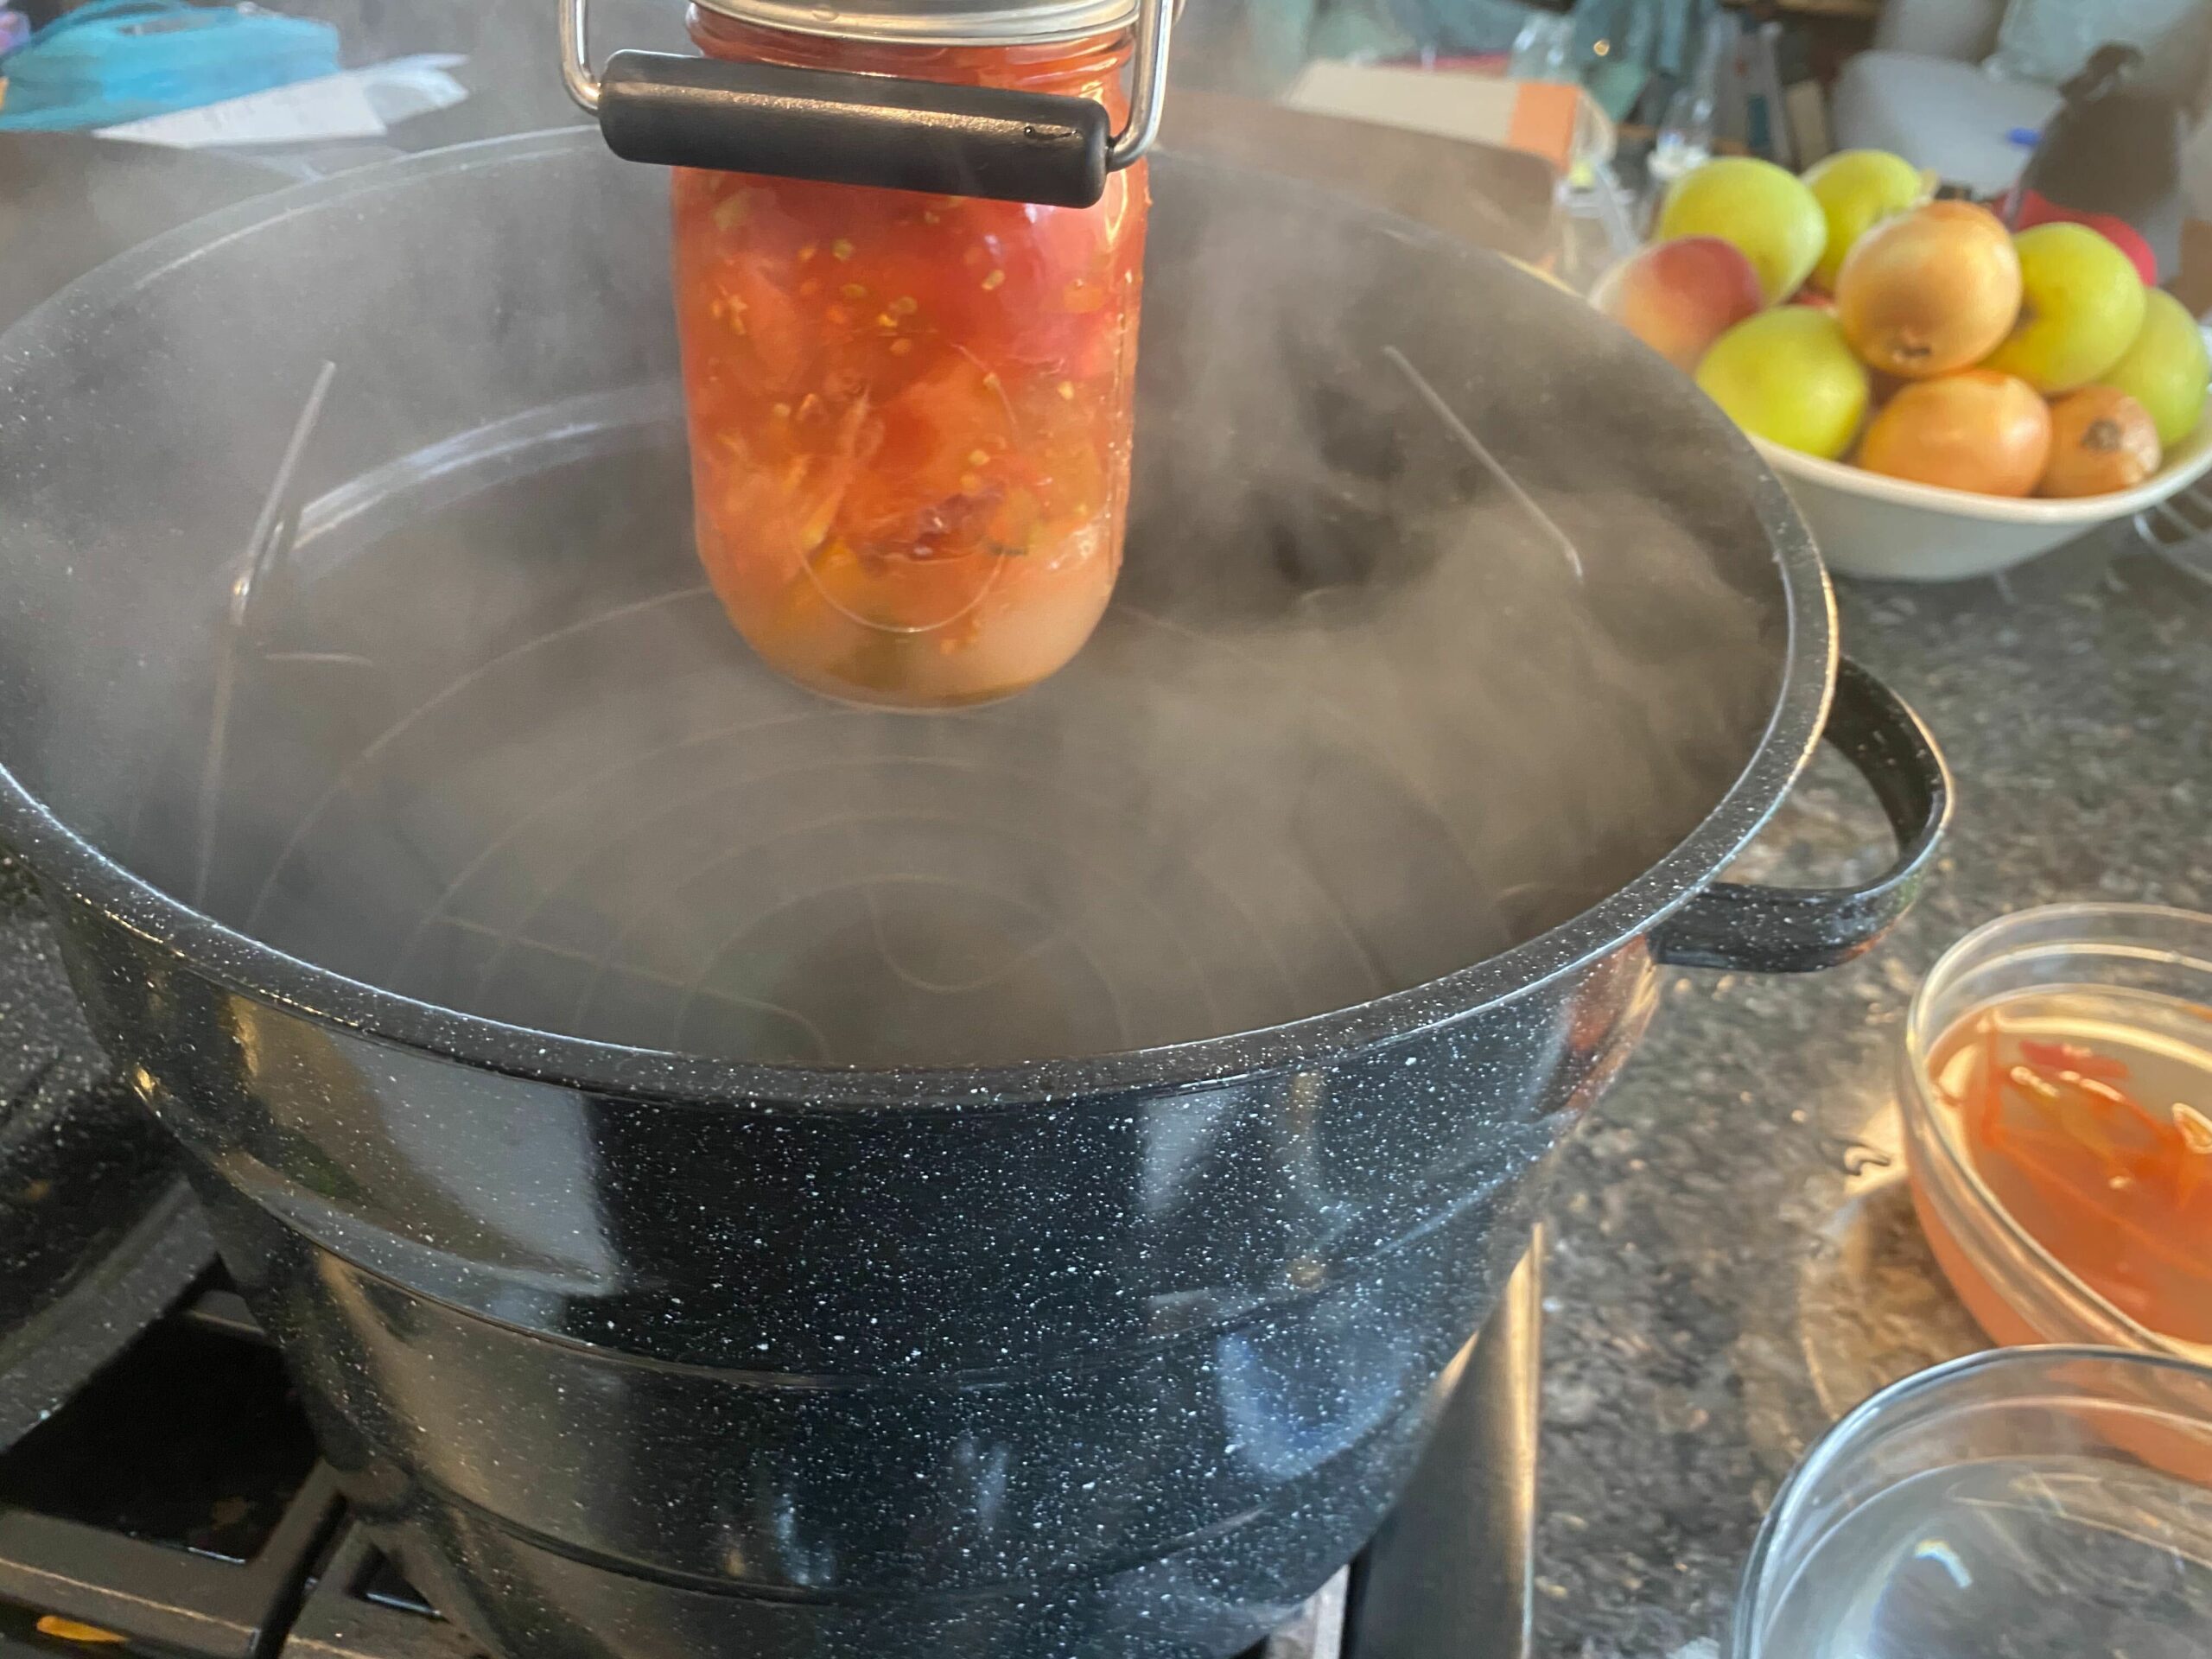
936	22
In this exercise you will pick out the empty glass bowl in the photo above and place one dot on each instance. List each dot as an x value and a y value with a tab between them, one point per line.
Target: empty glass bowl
2022	1503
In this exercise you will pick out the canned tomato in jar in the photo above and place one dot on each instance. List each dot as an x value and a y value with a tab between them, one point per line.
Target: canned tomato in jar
911	414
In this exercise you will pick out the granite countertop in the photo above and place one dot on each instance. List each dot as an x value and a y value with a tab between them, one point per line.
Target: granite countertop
1733	1260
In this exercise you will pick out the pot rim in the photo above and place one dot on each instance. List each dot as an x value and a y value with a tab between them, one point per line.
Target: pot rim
241	964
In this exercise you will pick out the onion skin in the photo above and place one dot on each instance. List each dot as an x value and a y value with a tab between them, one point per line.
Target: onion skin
1931	291
2101	440
1974	430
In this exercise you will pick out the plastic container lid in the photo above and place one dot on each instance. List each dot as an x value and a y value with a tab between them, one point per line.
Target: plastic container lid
936	22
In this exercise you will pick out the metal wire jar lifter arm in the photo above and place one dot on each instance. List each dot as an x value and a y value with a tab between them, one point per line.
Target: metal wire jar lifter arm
872	129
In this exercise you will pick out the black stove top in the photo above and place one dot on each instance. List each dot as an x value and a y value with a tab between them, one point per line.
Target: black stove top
175	1507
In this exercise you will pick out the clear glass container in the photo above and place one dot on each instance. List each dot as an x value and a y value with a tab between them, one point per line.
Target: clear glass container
2023	1504
1687	131
911	415
2142	975
1544	51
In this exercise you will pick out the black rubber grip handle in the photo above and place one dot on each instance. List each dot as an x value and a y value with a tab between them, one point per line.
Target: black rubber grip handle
1799	930
846	128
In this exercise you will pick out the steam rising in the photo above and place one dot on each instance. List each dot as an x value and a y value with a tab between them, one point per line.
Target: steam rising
1438	624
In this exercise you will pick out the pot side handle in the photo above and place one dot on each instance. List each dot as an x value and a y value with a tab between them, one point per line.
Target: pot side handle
1801	929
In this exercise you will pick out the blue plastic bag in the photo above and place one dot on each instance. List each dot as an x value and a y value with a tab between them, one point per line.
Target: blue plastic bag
116	60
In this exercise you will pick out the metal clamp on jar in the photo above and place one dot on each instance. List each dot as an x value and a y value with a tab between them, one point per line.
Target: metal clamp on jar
900	129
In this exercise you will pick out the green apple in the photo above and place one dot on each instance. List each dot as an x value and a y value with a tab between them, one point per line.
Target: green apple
2082	306
2167	370
1763	209
1790	377
1857	190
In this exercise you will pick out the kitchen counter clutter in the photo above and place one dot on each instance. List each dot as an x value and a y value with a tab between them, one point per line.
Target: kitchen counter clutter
1735	1263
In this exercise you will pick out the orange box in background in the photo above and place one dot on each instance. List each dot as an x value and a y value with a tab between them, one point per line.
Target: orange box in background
1546	117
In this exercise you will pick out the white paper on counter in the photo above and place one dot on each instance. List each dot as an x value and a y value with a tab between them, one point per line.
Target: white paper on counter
355	104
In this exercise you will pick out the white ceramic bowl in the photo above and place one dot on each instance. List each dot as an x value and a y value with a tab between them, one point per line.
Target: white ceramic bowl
1870	525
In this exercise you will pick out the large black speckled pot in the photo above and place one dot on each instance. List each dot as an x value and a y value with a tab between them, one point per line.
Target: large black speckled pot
1475	637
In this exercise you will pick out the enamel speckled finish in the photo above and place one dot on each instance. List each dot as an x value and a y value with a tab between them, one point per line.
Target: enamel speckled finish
1128	1374
634	1351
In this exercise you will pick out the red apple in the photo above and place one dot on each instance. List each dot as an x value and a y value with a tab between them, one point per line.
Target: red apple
1679	296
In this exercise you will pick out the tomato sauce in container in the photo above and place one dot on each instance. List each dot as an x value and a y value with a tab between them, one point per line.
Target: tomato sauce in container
911	414
2058	1126
2093	1131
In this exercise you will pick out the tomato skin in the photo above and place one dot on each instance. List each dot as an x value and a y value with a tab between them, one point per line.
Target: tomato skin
2105	1170
909	415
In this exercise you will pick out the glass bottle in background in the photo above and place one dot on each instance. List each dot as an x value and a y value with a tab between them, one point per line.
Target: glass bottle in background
911	415
1544	50
1687	131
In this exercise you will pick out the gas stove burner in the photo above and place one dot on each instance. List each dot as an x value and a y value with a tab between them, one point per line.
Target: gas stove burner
177	1503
